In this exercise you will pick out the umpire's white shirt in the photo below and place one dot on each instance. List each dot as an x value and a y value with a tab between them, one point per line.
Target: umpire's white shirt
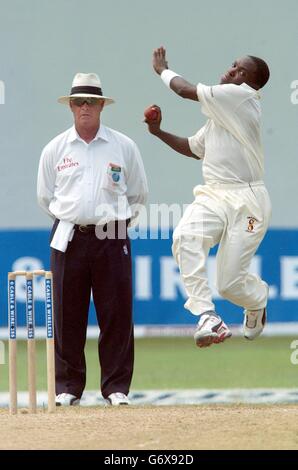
91	183
230	142
80	183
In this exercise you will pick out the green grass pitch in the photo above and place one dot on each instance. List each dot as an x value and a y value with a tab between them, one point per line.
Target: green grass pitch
176	363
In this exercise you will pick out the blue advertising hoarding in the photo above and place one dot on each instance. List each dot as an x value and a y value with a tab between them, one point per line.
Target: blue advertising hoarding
158	292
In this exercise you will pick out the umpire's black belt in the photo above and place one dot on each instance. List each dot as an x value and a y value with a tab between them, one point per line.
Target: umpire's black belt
91	227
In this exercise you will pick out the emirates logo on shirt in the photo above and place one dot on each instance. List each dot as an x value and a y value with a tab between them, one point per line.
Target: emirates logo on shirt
67	163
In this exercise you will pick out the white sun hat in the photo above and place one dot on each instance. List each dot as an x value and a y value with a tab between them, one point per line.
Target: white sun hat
86	85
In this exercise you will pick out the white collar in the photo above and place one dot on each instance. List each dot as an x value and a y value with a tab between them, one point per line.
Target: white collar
101	134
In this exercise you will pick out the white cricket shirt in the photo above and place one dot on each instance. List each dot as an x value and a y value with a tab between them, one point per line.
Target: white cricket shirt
230	142
91	183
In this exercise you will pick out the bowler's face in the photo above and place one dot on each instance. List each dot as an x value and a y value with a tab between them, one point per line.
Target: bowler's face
242	71
87	114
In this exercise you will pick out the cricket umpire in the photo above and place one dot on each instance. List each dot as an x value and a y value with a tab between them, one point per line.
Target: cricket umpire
232	209
92	182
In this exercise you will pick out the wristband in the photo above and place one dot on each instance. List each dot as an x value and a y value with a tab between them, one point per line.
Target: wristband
167	75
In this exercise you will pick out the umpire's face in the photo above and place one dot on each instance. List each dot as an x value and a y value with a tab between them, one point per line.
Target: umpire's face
86	113
242	71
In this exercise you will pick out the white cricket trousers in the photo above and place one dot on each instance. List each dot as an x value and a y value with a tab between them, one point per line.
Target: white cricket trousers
236	218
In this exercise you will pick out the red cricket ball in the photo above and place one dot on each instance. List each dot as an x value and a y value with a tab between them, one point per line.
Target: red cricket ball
151	114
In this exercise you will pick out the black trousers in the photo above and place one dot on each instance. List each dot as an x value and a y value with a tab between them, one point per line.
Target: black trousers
105	267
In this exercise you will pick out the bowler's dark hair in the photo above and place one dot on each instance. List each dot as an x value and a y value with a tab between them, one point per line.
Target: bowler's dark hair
263	72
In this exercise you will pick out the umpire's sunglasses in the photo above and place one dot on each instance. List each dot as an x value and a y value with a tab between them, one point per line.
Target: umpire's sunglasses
81	101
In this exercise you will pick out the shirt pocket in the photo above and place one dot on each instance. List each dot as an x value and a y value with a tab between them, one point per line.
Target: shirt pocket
114	179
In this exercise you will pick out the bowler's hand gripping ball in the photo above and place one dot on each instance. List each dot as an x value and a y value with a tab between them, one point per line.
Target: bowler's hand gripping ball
151	114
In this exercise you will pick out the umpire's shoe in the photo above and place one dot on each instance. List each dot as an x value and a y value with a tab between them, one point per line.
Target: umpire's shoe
210	330
116	399
254	322
67	399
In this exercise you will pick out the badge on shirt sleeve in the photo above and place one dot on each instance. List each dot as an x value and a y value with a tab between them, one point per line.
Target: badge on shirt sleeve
114	171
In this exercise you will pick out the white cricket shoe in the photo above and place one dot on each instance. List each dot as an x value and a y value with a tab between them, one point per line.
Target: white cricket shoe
210	329
117	398
67	399
254	322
